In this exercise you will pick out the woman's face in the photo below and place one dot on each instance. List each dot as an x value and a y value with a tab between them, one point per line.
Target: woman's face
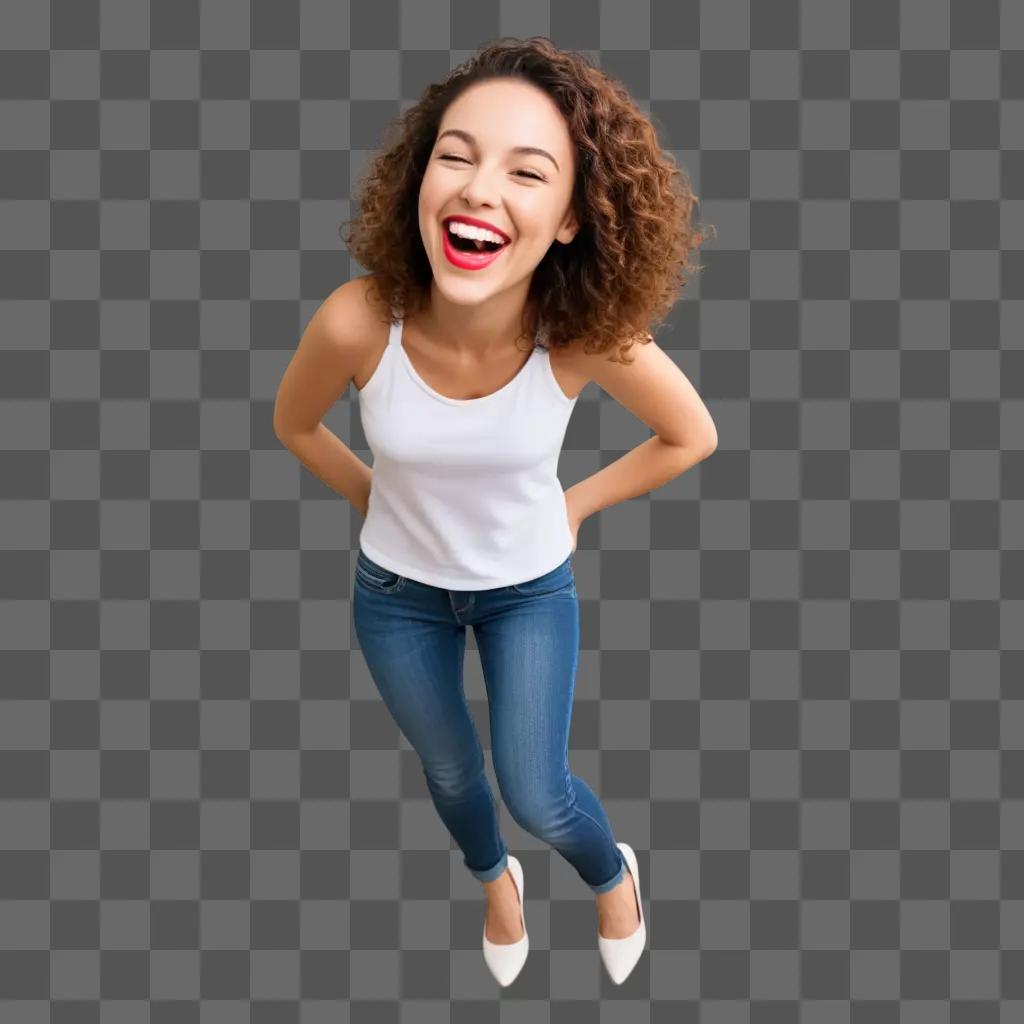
476	172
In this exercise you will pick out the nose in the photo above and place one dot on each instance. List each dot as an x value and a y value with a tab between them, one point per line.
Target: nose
480	190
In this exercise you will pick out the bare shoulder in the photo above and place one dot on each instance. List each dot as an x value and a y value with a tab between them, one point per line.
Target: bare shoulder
352	309
593	366
575	367
571	367
358	323
330	354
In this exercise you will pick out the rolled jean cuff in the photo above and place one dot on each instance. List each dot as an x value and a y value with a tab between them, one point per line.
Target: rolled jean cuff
605	886
490	874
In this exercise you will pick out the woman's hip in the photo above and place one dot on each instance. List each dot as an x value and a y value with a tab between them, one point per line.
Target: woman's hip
386	595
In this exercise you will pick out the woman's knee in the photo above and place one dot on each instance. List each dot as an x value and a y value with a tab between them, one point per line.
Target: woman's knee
540	810
452	779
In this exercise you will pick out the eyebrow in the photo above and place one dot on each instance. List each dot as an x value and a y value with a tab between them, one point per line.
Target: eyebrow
466	137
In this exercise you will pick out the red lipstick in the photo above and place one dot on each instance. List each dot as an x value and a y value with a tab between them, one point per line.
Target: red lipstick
468	260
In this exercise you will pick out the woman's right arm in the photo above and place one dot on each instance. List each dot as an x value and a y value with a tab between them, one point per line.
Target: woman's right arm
326	359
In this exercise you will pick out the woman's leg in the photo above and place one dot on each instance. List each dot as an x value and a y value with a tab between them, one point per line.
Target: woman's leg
529	649
415	651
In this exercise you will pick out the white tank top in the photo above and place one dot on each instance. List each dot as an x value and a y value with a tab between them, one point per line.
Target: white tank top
465	493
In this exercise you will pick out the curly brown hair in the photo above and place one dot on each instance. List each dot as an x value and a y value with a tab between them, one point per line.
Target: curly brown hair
631	257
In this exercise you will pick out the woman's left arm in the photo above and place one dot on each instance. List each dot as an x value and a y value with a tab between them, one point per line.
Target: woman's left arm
659	394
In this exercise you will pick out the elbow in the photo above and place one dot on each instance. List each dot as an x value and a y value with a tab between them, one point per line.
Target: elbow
703	447
282	430
288	435
282	433
710	441
692	452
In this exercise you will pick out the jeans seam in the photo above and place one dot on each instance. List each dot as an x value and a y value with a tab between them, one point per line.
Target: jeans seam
600	827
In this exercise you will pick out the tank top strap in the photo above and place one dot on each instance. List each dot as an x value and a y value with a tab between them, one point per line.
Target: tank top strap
395	333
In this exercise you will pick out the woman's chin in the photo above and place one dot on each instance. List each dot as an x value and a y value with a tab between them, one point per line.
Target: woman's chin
462	287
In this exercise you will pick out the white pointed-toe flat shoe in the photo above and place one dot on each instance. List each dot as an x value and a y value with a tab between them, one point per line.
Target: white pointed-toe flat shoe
620	955
506	959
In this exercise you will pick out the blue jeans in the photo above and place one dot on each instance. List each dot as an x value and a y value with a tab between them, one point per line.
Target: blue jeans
413	637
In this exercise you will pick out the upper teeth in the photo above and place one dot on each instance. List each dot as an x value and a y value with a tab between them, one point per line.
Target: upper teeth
457	227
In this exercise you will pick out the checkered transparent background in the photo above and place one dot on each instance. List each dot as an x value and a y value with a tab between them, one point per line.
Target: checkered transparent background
800	690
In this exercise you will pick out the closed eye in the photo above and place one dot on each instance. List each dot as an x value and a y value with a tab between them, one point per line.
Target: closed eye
463	160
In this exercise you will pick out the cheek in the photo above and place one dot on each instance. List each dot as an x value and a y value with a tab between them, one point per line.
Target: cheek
428	192
428	209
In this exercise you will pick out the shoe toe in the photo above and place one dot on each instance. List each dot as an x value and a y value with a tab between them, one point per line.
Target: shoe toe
620	956
506	960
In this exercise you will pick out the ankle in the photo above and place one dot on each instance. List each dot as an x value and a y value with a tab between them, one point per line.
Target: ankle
615	896
500	885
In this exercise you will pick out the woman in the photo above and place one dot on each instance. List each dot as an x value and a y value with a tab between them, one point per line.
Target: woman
524	198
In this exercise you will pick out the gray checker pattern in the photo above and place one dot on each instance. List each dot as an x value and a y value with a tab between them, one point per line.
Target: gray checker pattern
800	690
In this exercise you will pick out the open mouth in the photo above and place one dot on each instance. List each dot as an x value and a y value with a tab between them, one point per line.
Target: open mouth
471	245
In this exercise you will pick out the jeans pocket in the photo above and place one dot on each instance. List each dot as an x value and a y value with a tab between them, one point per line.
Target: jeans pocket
558	579
375	577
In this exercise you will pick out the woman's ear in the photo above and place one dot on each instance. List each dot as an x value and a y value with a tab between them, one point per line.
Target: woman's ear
567	232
